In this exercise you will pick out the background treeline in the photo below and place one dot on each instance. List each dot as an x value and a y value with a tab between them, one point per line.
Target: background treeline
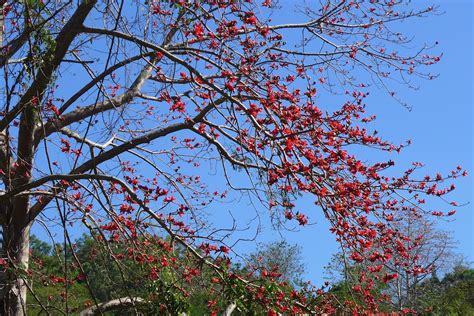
102	278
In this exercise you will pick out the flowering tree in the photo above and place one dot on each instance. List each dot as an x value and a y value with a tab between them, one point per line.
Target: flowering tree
427	251
112	109
423	252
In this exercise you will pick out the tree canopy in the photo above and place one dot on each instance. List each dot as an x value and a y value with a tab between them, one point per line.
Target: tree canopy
118	117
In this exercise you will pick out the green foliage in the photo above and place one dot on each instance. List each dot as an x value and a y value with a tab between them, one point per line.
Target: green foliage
108	278
453	295
39	248
344	291
48	292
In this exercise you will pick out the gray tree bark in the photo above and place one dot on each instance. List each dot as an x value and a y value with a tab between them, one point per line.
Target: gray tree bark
16	218
112	305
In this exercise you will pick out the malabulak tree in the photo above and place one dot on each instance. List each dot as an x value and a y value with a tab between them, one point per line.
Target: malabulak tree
111	109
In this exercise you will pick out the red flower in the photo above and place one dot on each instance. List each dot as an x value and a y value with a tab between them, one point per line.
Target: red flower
66	145
179	106
356	257
80	277
169	199
211	304
198	30
126	208
251	19
388	277
302	219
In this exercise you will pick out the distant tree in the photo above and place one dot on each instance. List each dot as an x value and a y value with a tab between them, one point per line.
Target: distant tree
425	251
48	281
278	260
282	259
451	296
346	286
39	248
115	272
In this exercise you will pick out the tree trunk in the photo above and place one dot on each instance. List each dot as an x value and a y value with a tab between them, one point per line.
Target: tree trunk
230	309
2	21
112	305
13	287
15	241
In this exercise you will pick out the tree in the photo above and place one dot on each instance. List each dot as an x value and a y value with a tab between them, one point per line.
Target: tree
428	251
425	252
129	282
345	280
280	257
453	295
112	108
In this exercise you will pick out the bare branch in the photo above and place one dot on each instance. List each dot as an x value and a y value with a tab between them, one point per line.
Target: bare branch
112	305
